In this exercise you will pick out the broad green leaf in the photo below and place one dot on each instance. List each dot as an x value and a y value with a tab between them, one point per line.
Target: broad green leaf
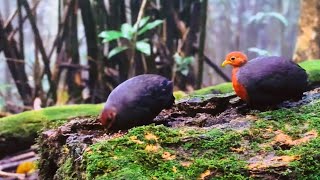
177	58
110	35
127	31
143	21
117	50
143	47
184	71
149	26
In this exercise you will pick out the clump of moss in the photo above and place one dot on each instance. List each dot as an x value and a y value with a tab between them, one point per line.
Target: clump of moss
179	95
312	68
18	132
32	121
153	152
294	122
217	89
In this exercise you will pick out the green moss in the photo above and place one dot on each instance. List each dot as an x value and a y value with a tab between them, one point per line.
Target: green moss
30	122
312	67
220	88
294	122
131	157
65	171
179	95
308	166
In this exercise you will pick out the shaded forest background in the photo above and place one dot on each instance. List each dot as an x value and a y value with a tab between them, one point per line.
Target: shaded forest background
51	52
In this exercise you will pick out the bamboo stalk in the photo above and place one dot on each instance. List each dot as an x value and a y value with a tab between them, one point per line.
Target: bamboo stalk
202	42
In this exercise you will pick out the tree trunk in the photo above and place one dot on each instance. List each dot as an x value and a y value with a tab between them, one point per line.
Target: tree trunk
308	42
92	48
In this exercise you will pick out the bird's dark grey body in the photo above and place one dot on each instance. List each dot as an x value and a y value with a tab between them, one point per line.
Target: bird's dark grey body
140	99
271	80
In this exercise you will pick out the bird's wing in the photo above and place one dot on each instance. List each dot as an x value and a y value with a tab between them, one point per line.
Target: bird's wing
271	75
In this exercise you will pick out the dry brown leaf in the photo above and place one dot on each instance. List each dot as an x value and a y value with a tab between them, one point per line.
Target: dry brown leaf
283	138
185	163
167	156
276	161
205	174
136	140
174	169
26	167
307	137
150	136
238	150
152	148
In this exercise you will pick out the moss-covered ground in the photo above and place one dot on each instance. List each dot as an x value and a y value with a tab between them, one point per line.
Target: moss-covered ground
32	121
18	132
289	136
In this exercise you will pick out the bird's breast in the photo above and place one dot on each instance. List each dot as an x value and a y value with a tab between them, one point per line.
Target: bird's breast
238	87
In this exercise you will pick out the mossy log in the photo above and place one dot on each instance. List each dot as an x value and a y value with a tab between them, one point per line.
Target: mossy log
18	132
204	137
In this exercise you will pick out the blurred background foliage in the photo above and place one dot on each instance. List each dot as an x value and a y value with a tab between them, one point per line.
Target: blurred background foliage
77	51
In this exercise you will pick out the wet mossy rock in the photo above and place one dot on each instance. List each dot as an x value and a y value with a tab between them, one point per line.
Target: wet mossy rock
230	142
18	132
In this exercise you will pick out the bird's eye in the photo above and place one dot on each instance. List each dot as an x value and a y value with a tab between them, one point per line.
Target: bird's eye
233	58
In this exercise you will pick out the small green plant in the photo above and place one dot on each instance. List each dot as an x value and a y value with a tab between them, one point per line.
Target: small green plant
131	34
182	63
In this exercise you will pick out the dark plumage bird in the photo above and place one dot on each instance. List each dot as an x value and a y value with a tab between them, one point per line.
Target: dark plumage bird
266	80
137	101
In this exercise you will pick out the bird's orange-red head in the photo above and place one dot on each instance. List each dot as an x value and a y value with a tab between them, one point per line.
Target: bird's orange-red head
108	116
235	59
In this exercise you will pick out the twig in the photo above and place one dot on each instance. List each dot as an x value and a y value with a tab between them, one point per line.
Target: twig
16	163
135	35
217	69
15	175
45	59
23	20
21	44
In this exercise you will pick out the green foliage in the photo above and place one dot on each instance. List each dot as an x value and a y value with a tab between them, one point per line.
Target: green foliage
262	16
182	63
131	33
143	47
117	50
207	150
312	68
220	88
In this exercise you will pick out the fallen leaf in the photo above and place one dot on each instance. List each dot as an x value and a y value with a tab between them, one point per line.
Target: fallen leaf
238	150
185	163
205	174
174	169
136	140
264	162
152	148
307	137
167	156
150	136
26	167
